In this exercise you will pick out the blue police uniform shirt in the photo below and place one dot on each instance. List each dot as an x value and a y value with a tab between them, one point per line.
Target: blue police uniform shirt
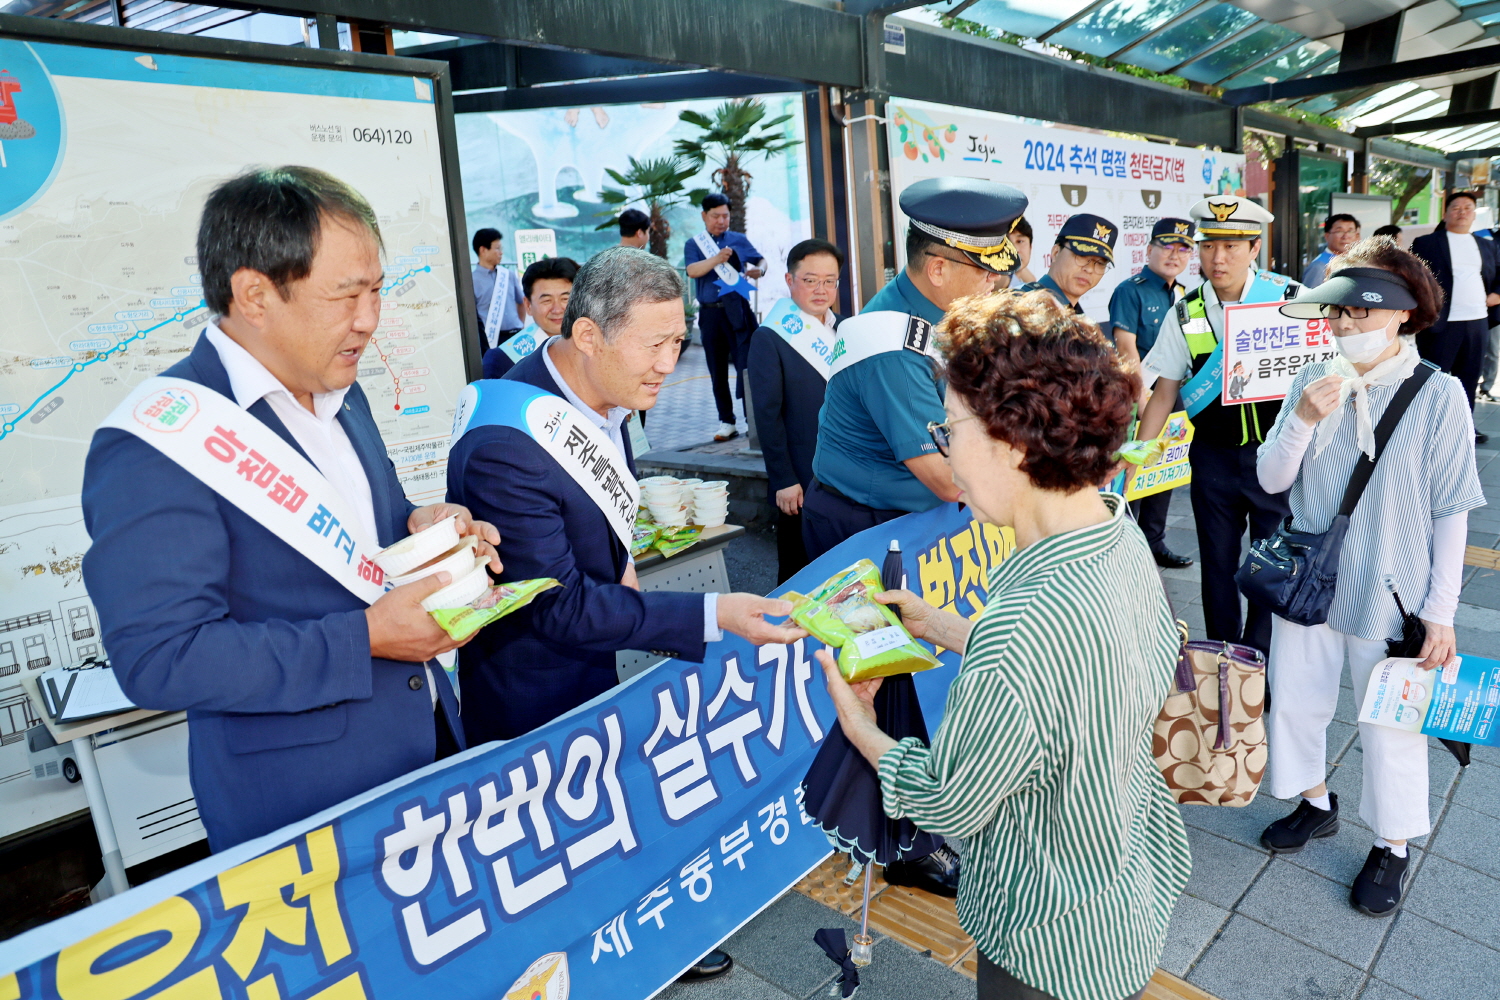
1139	304
737	242
1045	283
875	416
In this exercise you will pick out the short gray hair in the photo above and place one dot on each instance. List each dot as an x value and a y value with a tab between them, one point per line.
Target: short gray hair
615	280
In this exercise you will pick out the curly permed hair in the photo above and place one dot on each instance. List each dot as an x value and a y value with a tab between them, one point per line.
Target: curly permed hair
1044	381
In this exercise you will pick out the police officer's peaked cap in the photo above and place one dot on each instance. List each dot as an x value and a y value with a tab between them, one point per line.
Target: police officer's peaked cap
1229	217
1089	236
971	216
1173	232
1370	287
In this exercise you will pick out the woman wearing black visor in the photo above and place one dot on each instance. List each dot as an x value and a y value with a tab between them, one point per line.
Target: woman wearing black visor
1410	526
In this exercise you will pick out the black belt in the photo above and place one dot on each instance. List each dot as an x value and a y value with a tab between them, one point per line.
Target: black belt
835	493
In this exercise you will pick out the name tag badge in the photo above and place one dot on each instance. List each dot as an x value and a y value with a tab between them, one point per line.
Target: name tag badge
1198	325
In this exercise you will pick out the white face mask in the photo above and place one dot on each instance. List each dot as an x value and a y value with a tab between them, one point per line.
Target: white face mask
1362	348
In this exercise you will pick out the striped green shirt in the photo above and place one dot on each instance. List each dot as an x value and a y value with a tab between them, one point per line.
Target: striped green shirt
1075	852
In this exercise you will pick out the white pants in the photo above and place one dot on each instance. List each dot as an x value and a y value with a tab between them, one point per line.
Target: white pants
1304	670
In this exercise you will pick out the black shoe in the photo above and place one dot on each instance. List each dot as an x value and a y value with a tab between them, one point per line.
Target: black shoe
1377	891
1290	834
710	966
937	873
1167	559
1481	438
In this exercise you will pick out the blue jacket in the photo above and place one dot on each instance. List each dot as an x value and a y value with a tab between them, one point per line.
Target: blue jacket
559	652
205	610
1433	248
787	393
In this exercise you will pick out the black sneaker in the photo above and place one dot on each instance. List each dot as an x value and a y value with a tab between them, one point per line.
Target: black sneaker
1377	891
1290	834
937	873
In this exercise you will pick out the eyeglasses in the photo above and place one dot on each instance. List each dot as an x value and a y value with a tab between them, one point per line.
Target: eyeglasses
1173	248
1091	264
966	263
812	284
1353	312
942	433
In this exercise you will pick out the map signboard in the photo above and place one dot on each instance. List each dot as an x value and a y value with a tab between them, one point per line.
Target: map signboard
106	157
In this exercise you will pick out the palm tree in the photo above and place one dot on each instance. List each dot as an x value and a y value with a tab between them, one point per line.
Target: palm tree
658	184
733	136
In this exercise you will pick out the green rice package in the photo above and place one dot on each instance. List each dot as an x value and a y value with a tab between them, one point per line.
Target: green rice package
671	541
843	614
642	536
495	603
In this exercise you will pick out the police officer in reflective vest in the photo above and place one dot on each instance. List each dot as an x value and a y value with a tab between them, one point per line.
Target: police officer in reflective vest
1188	356
875	458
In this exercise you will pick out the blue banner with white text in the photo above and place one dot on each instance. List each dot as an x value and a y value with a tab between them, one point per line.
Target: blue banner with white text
598	856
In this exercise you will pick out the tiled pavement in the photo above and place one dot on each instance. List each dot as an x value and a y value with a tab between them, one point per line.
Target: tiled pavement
1249	926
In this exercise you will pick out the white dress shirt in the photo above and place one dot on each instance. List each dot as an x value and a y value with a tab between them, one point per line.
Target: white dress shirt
1468	279
613	425
319	432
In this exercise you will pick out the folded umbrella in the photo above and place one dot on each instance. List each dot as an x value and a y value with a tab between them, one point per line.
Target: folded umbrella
1413	634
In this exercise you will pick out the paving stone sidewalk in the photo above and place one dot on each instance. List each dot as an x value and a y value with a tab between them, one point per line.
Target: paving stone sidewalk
1249	926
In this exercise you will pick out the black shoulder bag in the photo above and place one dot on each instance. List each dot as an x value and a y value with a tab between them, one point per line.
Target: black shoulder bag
1293	572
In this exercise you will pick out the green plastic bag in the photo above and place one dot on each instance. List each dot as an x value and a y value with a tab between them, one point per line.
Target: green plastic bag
492	605
670	541
871	640
642	537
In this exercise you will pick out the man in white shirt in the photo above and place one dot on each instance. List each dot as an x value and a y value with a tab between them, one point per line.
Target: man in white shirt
1468	269
299	692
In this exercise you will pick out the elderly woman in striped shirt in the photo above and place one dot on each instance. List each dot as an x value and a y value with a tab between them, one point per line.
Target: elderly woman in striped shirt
1410	527
1075	850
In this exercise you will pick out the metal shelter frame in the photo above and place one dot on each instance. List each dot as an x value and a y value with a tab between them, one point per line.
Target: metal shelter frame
509	54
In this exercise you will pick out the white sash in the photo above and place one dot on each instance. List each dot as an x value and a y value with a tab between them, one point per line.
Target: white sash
582	449
231	452
726	274
872	333
811	339
497	305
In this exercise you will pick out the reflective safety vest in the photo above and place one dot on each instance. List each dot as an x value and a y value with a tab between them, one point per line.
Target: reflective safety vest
1217	424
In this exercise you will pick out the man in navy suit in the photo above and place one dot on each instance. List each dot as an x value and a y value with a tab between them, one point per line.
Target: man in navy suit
299	694
620	340
787	379
1468	268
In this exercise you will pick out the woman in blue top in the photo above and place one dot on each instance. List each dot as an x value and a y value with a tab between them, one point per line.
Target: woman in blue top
1410	527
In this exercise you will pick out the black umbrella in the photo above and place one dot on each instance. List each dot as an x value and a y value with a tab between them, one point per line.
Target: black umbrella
841	791
1413	634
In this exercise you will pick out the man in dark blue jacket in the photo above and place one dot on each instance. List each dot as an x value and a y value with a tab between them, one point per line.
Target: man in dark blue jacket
620	340
1468	268
788	375
299	693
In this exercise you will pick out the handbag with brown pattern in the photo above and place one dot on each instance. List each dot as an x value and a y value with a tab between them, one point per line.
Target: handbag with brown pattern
1204	762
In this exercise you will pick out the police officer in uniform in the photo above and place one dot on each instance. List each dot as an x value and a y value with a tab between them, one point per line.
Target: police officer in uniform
875	459
1187	356
1085	248
1136	310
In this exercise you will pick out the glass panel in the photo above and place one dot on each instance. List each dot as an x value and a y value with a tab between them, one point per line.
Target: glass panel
1400	109
1027	18
1293	62
1318	179
1118	23
1175	45
1236	56
1379	100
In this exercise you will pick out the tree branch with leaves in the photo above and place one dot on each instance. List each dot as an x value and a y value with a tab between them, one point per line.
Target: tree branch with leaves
736	134
656	183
